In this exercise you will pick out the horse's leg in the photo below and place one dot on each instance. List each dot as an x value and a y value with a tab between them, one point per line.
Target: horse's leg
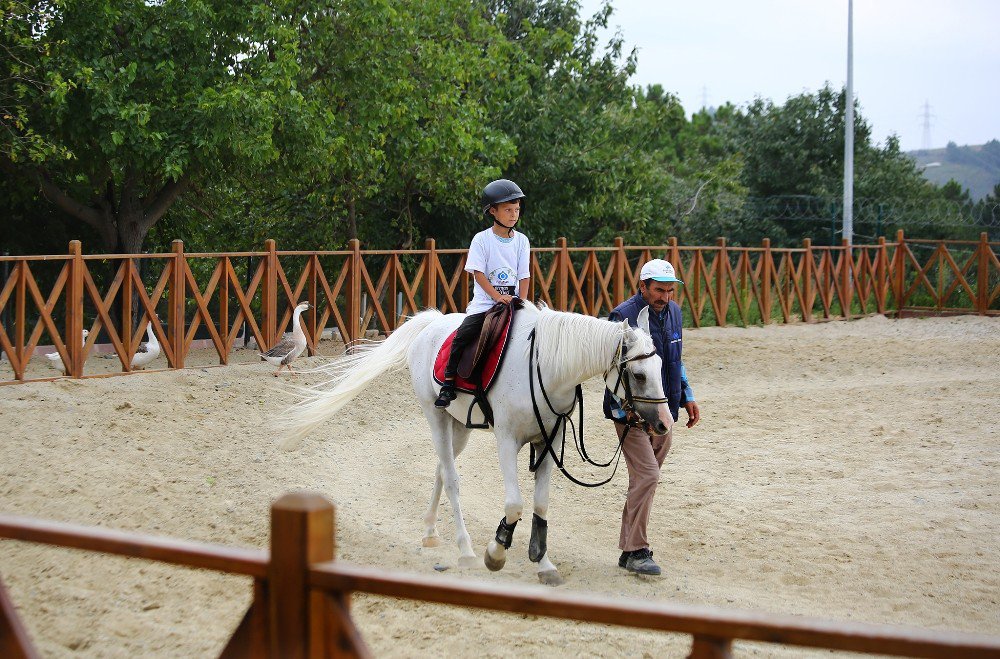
431	537
496	550
446	440
459	438
538	547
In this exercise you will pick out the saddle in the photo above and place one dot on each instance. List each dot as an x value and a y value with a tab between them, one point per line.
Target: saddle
495	325
481	359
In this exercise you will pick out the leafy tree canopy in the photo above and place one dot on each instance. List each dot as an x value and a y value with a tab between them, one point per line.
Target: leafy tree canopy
223	124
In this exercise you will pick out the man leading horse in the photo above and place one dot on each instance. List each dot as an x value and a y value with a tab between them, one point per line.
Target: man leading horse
644	453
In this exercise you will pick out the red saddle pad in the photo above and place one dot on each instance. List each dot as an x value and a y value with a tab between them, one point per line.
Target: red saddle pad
490	367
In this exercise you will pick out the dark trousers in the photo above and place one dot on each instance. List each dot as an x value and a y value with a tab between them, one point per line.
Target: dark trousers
468	332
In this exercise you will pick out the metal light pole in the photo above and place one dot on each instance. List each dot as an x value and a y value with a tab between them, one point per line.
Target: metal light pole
848	228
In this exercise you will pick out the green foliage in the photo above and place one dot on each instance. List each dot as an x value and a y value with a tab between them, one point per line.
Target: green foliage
137	100
224	124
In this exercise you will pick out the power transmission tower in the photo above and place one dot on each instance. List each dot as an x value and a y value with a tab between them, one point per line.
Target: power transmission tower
926	142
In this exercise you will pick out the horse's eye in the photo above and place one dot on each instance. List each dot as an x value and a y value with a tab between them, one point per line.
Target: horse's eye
640	377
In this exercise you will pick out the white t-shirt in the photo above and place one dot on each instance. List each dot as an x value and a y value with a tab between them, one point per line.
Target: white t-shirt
504	262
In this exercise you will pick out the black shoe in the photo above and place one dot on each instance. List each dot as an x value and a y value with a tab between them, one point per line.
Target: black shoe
623	558
641	562
446	396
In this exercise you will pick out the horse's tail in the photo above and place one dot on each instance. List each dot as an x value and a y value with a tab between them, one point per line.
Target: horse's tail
350	375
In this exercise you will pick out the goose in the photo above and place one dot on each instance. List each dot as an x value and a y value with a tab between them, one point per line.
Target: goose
55	359
290	347
148	350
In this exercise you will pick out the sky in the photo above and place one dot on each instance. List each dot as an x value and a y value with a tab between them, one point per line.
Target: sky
907	53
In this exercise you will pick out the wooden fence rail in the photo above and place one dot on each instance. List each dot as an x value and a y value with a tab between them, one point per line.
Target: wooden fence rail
222	298
301	597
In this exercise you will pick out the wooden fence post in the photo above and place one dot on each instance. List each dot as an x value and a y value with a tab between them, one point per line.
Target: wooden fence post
562	275
301	534
721	277
881	273
847	279
15	643
74	310
175	319
314	334
899	272
20	271
269	296
711	647
618	285
765	287
807	289
430	274
126	319
353	293
226	266
674	257
983	275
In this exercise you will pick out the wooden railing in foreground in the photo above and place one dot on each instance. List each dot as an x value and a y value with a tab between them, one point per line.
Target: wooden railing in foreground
228	297
301	597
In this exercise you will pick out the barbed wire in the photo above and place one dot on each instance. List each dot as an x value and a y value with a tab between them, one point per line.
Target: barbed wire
912	213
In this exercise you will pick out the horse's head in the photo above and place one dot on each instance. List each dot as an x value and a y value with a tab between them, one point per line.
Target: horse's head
635	378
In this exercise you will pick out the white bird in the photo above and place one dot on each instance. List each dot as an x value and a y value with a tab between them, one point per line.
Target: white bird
289	347
148	350
55	359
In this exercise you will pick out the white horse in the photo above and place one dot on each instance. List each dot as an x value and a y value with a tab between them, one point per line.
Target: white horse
569	349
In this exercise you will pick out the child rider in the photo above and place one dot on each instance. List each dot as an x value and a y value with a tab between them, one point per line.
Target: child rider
499	260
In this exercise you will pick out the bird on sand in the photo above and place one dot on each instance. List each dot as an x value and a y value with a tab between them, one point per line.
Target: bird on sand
55	359
148	350
290	347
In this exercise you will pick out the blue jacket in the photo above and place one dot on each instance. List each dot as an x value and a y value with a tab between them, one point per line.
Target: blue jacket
666	330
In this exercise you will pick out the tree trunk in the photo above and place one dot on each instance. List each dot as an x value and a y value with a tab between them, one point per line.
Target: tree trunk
352	218
123	223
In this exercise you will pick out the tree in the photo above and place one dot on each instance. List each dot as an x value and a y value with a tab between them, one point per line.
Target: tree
400	143
143	100
584	136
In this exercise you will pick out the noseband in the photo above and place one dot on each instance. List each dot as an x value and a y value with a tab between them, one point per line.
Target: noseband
632	418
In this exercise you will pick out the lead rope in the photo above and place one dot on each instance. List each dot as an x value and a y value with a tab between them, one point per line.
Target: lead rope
562	419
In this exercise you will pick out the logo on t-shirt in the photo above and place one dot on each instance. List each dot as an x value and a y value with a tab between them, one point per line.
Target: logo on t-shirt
504	280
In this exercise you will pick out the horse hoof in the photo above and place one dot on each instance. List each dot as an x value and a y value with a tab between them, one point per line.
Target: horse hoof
493	564
551	578
467	561
431	541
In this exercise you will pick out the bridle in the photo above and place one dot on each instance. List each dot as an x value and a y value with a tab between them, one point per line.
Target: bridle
632	418
563	419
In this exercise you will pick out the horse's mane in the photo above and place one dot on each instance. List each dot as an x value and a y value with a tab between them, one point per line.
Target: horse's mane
571	344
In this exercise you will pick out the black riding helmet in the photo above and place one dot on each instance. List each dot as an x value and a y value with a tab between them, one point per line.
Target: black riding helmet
499	191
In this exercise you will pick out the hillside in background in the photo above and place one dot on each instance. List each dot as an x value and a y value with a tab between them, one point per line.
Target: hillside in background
975	168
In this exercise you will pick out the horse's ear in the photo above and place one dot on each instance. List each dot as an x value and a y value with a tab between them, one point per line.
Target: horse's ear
643	320
541	304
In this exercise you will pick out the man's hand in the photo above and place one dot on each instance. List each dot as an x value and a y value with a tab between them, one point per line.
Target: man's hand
505	299
694	414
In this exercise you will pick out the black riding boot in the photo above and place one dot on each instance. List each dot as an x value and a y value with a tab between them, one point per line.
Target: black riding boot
447	394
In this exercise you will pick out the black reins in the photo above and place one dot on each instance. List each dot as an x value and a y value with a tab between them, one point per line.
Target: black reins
563	419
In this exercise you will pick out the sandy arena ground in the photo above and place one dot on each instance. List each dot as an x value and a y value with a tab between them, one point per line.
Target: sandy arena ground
845	470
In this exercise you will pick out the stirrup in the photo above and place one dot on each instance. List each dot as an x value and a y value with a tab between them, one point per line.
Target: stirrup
446	396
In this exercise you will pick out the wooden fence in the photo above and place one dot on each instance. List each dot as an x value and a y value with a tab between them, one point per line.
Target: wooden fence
222	298
301	597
